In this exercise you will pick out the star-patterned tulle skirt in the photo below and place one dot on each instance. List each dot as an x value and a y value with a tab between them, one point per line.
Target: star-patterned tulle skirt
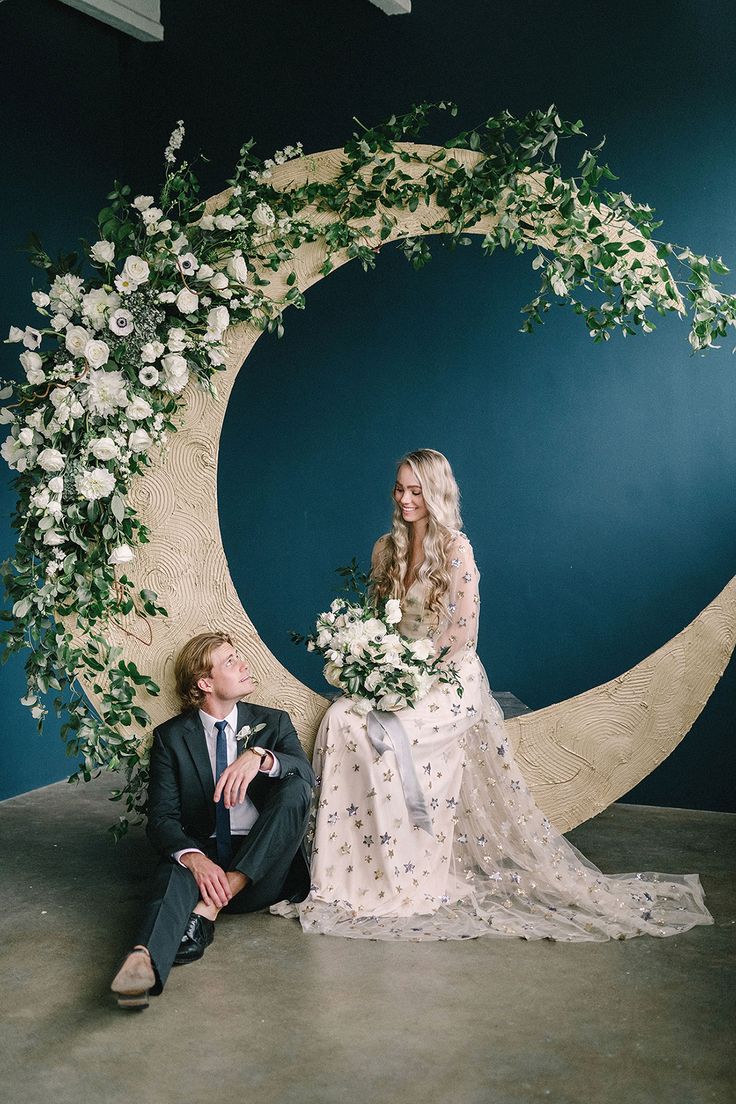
492	864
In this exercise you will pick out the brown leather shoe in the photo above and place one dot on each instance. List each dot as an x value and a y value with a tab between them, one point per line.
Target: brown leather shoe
133	980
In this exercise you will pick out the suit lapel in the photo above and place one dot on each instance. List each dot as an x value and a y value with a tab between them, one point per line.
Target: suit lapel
246	717
196	742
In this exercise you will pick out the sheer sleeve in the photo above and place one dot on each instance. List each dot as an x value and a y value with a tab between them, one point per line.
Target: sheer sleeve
458	629
378	548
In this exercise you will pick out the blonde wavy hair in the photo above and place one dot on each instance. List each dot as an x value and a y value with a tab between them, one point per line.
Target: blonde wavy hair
193	663
442	498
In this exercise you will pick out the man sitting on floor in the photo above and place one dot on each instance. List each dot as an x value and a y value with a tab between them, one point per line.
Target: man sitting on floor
228	802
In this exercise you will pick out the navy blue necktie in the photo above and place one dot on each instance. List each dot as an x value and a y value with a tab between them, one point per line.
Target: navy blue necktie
222	815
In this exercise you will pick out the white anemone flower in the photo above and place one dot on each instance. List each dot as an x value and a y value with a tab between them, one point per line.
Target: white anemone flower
121	322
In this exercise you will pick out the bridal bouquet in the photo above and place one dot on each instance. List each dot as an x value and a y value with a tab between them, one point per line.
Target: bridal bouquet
367	658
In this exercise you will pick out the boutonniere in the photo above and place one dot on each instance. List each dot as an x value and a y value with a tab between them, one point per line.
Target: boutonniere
244	735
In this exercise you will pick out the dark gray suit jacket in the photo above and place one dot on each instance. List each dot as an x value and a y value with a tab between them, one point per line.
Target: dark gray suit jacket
181	812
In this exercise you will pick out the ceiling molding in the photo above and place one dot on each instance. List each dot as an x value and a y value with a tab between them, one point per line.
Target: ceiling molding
393	7
139	18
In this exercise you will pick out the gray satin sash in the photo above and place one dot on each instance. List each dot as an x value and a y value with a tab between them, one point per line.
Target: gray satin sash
386	732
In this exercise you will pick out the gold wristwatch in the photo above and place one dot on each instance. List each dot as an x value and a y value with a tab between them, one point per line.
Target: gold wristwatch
263	752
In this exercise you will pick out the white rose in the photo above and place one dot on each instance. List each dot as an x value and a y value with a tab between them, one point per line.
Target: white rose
263	216
96	353
136	269
50	460
151	351
389	703
40	298
56	485
218	319
141	202
224	222
187	301
76	339
120	555
103	252
176	373
139	441
204	272
393	611
373	679
104	449
176	340
41	499
219	281
94	483
331	673
151	215
238	269
138	409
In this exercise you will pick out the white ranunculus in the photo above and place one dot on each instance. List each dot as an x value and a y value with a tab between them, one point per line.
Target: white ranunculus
151	351
96	353
106	391
53	538
263	216
238	269
51	460
138	409
15	334
204	272
104	449
148	376
136	269
139	440
393	611
76	340
142	203
176	373
188	264
121	322
187	301
219	281
120	555
177	340
93	483
56	485
103	252
218	319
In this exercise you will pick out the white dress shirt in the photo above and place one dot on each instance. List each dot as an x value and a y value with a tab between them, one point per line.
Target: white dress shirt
244	815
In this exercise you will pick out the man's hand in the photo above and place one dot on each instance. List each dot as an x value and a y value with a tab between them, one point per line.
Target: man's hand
214	888
235	779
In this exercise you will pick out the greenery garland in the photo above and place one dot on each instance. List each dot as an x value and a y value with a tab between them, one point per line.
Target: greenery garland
142	313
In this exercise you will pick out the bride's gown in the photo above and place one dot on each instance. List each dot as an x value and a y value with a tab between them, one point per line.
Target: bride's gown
493	864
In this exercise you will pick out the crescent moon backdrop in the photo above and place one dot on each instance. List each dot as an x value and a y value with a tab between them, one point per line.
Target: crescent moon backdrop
578	755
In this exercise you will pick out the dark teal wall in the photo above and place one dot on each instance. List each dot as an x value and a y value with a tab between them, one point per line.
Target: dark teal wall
598	481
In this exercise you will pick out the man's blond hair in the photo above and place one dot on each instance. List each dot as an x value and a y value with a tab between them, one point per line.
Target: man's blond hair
193	663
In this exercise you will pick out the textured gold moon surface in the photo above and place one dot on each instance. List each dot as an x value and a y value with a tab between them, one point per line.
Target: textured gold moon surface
577	756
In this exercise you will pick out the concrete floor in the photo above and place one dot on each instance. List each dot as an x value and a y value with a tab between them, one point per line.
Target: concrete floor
271	1015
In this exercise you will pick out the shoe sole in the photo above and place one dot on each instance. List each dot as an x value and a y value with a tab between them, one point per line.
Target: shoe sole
132	1000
